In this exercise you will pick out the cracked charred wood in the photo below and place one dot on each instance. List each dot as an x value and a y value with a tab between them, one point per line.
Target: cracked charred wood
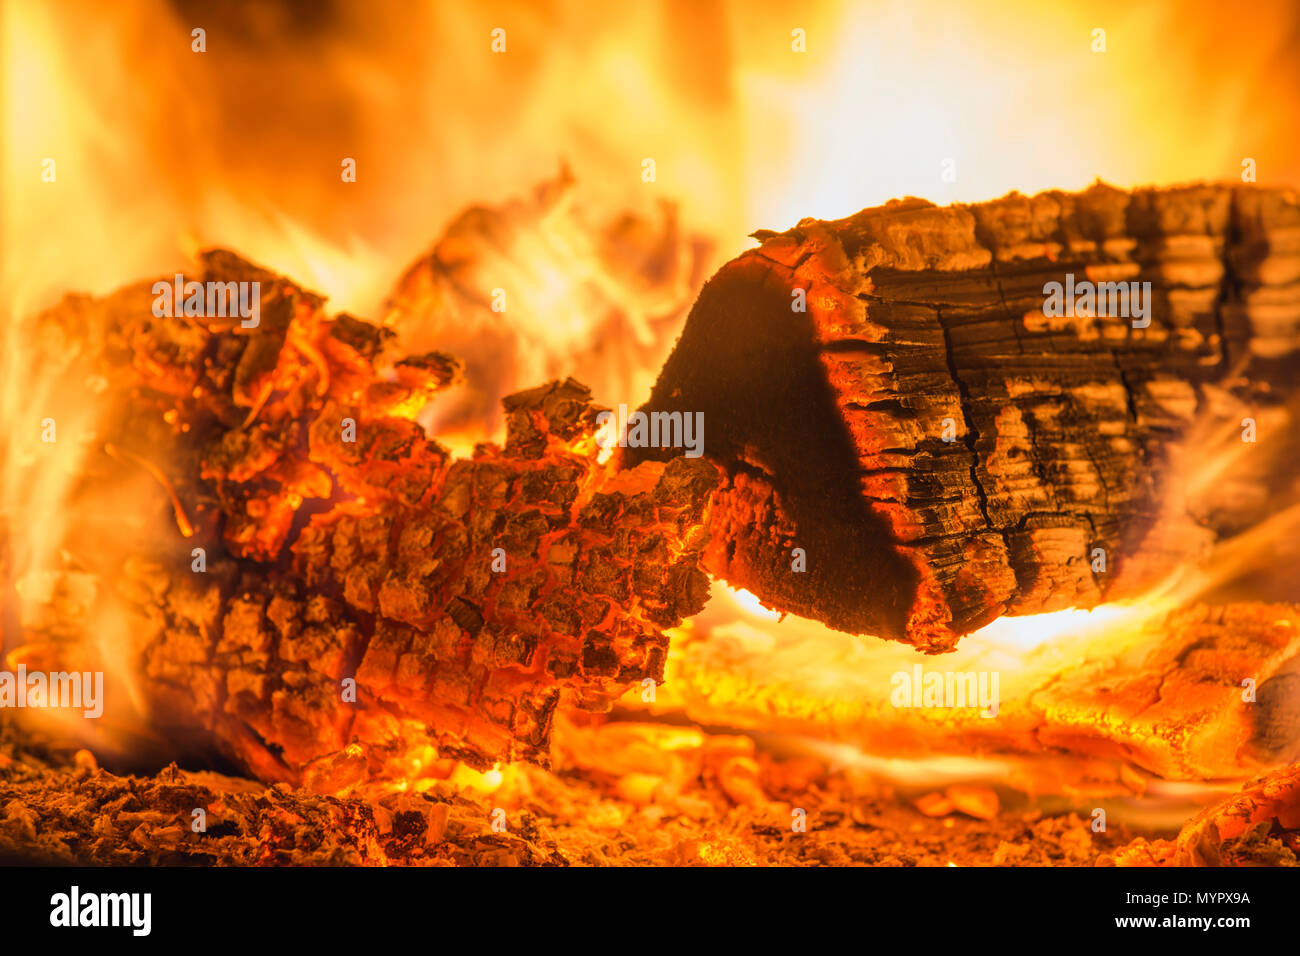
342	592
906	397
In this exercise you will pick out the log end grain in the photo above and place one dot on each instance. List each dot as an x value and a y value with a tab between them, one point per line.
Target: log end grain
892	394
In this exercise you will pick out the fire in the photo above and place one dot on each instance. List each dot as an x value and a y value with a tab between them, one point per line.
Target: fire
1033	630
749	604
799	678
126	151
162	150
962	105
537	289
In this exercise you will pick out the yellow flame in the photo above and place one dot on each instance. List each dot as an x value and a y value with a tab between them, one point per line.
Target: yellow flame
748	603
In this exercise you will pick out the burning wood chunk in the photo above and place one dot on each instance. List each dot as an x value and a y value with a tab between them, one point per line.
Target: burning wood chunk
1260	826
1215	693
359	594
1007	408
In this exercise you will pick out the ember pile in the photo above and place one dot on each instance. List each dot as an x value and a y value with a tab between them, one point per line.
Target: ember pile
626	794
397	655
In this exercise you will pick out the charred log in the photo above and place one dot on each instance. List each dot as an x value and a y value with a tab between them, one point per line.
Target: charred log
340	589
889	393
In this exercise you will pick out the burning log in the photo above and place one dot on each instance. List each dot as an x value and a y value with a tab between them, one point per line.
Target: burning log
905	397
339	579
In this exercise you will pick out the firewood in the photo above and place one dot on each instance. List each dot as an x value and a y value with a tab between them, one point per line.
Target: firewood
1195	694
356	593
888	395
